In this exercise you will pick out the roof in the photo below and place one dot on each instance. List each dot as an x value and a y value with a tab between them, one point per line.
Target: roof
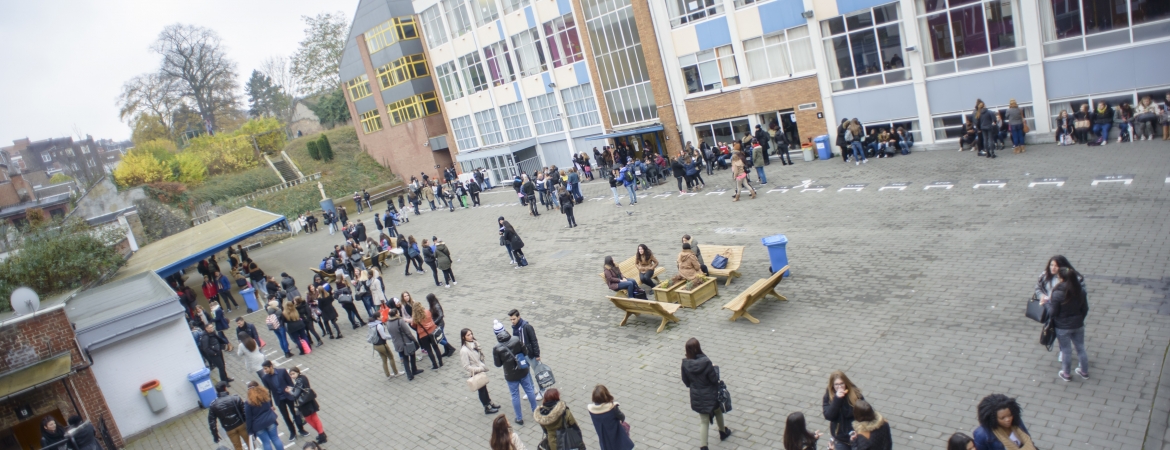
29	377
43	202
615	134
185	248
119	309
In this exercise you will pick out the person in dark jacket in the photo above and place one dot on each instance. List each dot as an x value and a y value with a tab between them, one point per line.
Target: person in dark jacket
328	316
1068	307
841	142
1000	425
243	326
306	314
796	434
228	410
261	417
81	435
428	255
873	432
400	336
553	416
702	377
840	398
984	120
306	401
523	330
607	420
507	354
615	280
529	190
1102	119
765	141
276	380
567	202
679	171
53	435
514	243
289	285
211	345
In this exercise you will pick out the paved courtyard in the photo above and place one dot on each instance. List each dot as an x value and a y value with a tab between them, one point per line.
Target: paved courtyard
917	292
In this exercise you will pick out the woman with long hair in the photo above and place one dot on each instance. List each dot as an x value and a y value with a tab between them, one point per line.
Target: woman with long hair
306	314
841	397
428	255
796	434
608	421
1000	425
295	327
437	314
646	263
615	280
250	352
503	438
873	432
425	327
739	176
702	377
512	240
307	402
1068	306
549	416
960	441
471	355
261	417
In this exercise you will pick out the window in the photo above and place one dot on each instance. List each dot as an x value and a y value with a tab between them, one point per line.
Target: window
69	152
371	121
709	70
389	32
472	72
90	163
1157	95
413	107
910	125
449	81
457	18
499	63
687	11
46	158
950	126
529	53
780	54
432	23
488	127
564	46
864	48
485	11
742	3
464	133
580	106
403	69
359	88
968	36
514	5
545	114
724	132
515	121
1070	26
84	149
621	65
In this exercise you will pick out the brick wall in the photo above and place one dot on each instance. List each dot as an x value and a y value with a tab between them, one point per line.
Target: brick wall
763	99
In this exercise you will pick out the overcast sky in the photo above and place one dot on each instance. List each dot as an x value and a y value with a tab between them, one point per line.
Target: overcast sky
63	62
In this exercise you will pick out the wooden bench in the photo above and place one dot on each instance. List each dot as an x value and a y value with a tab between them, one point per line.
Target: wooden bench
732	270
758	290
630	270
328	277
634	307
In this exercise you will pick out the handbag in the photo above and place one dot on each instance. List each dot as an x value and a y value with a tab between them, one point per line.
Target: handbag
1036	311
1026	129
305	347
723	399
544	376
522	361
720	262
626	426
477	381
410	347
1048	335
1082	124
569	437
440	336
741	176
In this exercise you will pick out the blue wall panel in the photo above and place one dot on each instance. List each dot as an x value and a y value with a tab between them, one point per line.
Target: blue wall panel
781	15
564	7
713	33
544	76
995	88
878	105
582	72
528	15
1120	70
848	6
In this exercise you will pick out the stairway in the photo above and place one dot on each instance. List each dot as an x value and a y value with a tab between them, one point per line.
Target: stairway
286	171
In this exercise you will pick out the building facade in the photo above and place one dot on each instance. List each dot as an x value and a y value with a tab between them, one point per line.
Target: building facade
390	91
78	159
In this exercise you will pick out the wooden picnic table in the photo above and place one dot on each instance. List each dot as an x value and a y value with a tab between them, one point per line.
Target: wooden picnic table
758	290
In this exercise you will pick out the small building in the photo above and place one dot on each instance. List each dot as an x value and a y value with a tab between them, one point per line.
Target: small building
20	192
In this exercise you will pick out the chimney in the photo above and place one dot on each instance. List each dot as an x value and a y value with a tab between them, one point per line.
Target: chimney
23	189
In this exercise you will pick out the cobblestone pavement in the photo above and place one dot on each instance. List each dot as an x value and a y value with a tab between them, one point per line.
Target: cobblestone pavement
916	293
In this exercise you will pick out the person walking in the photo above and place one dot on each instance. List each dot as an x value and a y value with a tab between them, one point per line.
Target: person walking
414	254
841	396
225	292
471	356
739	176
228	410
608	421
503	438
552	416
276	380
567	202
1000	425
306	401
796	434
702	378
428	255
252	356
261	417
425	326
211	345
513	241
345	297
509	354
1068	306
328	315
646	264
276	325
439	317
758	153
528	189
873	432
295	327
527	334
443	262
244	328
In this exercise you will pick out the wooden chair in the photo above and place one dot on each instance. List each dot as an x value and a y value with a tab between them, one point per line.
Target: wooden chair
634	307
758	290
328	277
732	270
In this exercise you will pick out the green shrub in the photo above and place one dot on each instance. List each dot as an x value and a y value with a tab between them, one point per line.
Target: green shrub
324	147
58	257
223	187
168	192
313	152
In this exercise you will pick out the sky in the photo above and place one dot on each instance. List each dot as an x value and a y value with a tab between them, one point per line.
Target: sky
63	62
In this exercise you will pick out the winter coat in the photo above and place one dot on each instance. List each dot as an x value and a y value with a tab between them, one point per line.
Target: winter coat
293	326
210	291
276	383
839	413
1101	118
290	287
613	276
737	167
699	375
260	417
428	195
607	420
400	334
504	355
211	345
879	435
428	255
677	169
1067	310
471	355
250	330
57	437
841	136
523	330
549	418
306	408
377	292
986	120
84	437
325	304
253	361
227	410
985	439
688	265
442	257
426	325
646	266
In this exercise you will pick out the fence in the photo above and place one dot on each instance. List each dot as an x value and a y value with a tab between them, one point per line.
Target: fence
529	166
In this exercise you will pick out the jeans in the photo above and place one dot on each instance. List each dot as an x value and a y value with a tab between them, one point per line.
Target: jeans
577	190
332	228
705	422
988	141
368	302
633	195
905	147
629	286
1102	130
409	364
569	215
514	388
434	273
448	276
1017	135
1069	340
270	438
508	247
858	152
282	338
616	200
297	338
760	172
428	343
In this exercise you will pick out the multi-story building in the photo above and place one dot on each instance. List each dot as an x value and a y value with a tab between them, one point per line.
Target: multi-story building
390	91
77	159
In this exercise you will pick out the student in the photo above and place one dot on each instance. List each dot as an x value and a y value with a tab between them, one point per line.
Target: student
702	378
1000	425
608	421
841	396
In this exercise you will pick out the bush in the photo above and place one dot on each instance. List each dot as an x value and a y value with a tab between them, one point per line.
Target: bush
140	167
269	132
313	151
60	178
223	187
324	148
167	192
189	168
57	257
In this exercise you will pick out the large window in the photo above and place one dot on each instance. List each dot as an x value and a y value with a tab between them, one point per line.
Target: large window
515	121
485	11
864	48
529	53
687	11
910	126
499	63
389	32
403	69
457	17
359	88
950	126
779	54
564	46
724	132
514	5
489	127
371	121
621	66
709	70
968	36
1070	26
464	133
432	23
472	71
413	107
580	106
545	114
449	81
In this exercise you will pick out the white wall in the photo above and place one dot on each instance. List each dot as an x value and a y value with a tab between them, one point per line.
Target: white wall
166	353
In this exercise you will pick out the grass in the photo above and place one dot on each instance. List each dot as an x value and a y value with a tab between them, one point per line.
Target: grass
223	187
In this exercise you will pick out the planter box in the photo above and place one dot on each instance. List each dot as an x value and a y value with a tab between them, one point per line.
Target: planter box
669	294
701	293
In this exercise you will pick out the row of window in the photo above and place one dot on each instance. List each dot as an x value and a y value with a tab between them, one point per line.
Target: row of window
453	15
358	88
776	55
621	64
580	109
389	32
403	69
402	111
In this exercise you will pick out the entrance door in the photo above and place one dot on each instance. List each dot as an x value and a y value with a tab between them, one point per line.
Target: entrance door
787	121
27	435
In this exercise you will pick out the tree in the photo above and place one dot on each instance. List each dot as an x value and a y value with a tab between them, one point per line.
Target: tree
314	153
318	59
59	256
140	166
196	62
279	69
147	128
264	98
324	148
330	108
149	96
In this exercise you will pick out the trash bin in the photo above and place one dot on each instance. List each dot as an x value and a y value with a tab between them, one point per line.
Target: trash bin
824	147
808	154
152	390
777	254
201	379
250	299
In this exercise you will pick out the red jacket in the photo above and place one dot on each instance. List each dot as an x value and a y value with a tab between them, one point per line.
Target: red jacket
210	291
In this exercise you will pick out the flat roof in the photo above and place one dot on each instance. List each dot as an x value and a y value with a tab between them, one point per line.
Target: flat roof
117	299
185	248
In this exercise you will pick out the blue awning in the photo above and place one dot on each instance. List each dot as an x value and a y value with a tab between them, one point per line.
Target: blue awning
187	247
625	133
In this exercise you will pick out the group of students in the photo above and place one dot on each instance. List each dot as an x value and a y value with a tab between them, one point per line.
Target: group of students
879	142
1092	126
689	263
553	188
254	417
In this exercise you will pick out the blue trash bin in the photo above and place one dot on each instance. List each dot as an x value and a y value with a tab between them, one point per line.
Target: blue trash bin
824	147
250	299
777	253
201	379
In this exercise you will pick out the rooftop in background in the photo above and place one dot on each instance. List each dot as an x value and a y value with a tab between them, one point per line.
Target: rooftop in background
117	299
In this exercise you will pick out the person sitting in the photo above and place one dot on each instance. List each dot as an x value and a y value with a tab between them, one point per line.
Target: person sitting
886	144
615	280
1065	128
970	139
872	144
1102	119
1003	129
905	140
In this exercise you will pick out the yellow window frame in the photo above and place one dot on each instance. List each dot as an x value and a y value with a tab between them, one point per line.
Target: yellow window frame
413	107
371	121
403	69
389	32
359	88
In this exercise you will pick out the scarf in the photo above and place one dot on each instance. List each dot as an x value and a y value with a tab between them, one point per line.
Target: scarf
1025	440
1101	109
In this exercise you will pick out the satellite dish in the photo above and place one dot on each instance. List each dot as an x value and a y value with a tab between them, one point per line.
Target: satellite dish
25	301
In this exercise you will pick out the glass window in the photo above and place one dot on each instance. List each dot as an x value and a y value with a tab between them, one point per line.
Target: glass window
449	81
910	126
515	121
620	61
514	5
371	121
489	128
432	22
359	88
545	114
457	17
709	69
961	38
580	106
499	63
472	71
564	45
865	48
779	54
529	53
413	107
389	32
1070	26
687	11
403	69
485	11
464	133
724	132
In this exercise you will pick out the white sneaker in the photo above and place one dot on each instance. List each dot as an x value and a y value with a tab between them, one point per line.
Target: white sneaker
513	262
539	396
454	283
857	162
523	396
447	286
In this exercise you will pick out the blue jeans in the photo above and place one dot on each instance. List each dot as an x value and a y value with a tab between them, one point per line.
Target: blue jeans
760	172
1074	338
511	256
633	195
629	286
1017	135
616	200
368	301
270	438
282	337
905	147
577	190
514	388
858	152
1102	130
1123	129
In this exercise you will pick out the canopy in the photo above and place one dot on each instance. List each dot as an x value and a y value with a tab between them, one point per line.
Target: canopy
187	247
28	377
625	133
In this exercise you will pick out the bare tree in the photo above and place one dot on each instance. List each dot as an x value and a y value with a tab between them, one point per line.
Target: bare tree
279	69
152	95
195	60
318	59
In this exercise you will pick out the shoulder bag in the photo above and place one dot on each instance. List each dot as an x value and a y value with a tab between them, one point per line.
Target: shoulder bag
1036	311
569	437
724	397
477	381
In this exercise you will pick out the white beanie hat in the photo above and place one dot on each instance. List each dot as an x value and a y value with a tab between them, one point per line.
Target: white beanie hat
497	326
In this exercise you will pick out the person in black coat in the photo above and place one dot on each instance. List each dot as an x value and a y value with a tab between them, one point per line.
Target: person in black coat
211	345
984	120
53	435
306	401
529	191
764	140
512	240
841	142
82	435
840	398
227	410
1068	308
873	432
679	171
702	377
607	420
276	380
473	190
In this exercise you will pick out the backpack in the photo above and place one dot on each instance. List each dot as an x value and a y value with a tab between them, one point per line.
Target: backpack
329	265
375	337
272	321
629	176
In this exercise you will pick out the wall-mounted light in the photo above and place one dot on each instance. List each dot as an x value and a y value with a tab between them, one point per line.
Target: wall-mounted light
552	85
912	48
807	14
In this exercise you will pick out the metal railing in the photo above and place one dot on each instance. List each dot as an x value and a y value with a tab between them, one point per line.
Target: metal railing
268	190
